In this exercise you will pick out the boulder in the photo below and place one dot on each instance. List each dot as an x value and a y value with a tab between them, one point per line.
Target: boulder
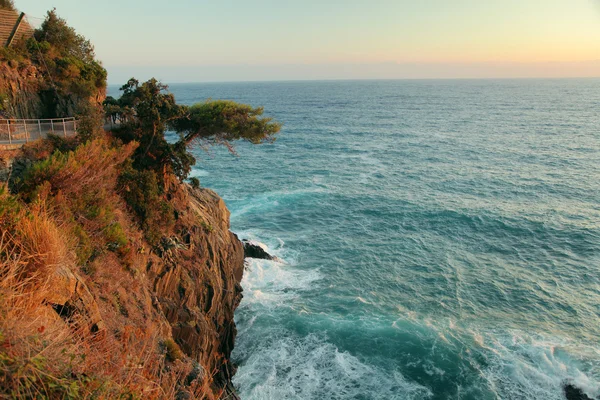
72	300
574	393
253	250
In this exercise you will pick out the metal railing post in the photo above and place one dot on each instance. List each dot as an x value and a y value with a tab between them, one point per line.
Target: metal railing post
12	127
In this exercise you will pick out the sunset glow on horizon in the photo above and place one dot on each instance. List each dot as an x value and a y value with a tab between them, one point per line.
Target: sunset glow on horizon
270	33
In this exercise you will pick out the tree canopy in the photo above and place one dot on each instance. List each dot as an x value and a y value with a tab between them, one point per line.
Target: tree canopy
7	4
65	40
145	112
70	76
67	57
222	121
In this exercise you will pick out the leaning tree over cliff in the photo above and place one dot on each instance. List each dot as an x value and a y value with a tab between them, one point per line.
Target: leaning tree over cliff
144	113
147	110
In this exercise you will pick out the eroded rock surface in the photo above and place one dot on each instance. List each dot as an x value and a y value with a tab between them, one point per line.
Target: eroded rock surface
197	281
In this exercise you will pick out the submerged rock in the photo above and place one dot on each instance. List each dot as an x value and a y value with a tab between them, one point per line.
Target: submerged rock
253	250
574	393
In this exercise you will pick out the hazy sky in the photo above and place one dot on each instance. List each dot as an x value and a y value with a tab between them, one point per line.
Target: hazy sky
201	40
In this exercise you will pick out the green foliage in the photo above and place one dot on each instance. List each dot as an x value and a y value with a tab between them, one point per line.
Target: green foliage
9	209
89	123
153	108
143	114
195	182
142	193
36	376
64	39
208	228
181	160
7	4
84	249
146	110
13	54
82	196
172	350
117	240
39	173
71	76
222	121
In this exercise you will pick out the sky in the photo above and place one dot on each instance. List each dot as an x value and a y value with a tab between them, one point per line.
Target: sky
238	40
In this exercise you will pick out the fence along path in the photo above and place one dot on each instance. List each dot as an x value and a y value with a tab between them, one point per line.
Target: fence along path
17	132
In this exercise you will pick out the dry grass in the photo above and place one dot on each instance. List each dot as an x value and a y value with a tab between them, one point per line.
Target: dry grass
70	202
42	246
30	333
44	356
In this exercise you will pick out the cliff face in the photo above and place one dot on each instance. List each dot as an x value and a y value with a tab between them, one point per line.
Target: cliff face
197	281
142	321
28	93
20	86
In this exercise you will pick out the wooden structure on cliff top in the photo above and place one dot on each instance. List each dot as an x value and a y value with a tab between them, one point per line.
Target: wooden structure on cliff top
13	26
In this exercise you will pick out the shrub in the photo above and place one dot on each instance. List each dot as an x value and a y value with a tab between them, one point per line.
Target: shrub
79	186
90	120
8	4
172	350
195	182
141	191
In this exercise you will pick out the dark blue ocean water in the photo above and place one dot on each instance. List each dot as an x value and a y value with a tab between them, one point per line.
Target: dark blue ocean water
441	239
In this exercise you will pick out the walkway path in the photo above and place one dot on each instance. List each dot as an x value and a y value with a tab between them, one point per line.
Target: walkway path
16	132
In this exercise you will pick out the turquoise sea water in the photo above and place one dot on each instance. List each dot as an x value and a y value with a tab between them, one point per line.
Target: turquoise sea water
441	239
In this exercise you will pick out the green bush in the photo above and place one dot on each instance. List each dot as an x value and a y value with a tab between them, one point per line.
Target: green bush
195	182
141	191
172	350
7	4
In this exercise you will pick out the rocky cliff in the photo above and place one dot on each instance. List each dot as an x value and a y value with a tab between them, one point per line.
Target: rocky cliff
20	86
197	281
90	308
27	91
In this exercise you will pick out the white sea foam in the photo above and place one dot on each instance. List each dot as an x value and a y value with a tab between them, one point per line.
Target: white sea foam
272	199
274	283
523	367
195	172
515	364
311	368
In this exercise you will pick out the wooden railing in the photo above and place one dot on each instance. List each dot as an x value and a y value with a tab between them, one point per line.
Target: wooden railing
13	26
16	132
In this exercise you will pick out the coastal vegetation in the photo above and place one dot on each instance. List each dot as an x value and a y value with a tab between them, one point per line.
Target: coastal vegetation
145	112
7	4
101	239
52	74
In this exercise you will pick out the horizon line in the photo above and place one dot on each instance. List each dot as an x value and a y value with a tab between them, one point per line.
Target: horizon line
371	80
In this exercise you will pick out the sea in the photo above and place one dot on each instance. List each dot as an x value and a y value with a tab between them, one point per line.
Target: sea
437	239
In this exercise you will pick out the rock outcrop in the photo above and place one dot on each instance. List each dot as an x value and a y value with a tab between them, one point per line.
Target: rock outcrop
254	250
25	93
19	90
71	297
197	281
574	393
